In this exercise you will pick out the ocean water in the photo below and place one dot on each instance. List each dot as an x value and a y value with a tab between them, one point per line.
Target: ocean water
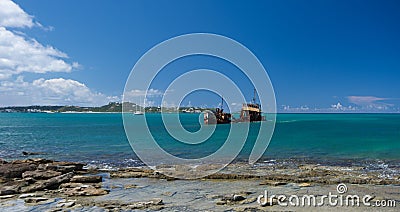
99	139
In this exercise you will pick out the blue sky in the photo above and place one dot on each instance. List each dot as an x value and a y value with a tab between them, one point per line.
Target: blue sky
317	53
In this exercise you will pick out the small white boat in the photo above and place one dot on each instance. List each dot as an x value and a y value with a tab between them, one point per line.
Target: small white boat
138	113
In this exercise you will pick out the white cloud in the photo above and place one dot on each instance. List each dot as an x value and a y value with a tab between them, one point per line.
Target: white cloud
359	104
166	104
288	108
19	53
337	106
57	91
11	15
136	94
370	102
364	100
142	97
141	93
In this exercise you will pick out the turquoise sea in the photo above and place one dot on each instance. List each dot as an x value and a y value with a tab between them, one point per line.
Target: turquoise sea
99	139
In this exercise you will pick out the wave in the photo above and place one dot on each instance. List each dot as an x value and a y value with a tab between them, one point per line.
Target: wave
9	133
287	121
113	165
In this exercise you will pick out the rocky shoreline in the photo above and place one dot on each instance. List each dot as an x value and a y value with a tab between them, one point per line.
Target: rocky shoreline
59	186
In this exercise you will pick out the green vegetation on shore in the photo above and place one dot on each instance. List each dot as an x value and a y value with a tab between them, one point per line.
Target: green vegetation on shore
112	107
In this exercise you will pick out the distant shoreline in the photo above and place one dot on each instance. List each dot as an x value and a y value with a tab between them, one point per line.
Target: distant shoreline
116	107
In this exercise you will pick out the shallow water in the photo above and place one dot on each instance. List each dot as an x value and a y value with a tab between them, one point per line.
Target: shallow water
372	140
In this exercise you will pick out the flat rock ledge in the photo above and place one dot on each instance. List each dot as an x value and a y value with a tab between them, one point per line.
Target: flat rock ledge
305	175
37	175
42	181
151	205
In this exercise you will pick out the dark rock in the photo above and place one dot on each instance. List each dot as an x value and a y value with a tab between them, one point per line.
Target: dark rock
36	161
69	168
63	167
78	166
15	170
41	175
33	153
237	197
29	180
12	187
87	179
51	183
3	161
233	198
7	190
